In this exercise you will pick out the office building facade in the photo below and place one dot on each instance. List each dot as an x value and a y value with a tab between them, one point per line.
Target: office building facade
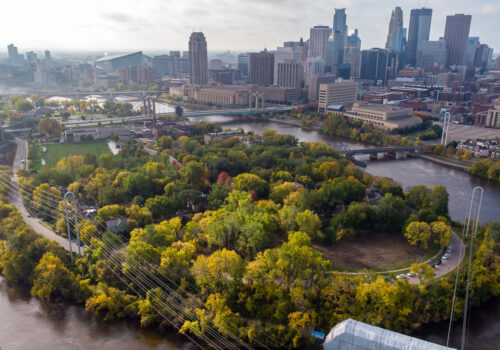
456	34
261	68
243	64
337	93
198	60
432	54
281	55
289	74
374	65
419	29
317	41
395	23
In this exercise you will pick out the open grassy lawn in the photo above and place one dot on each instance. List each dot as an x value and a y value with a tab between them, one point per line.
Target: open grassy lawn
56	151
377	252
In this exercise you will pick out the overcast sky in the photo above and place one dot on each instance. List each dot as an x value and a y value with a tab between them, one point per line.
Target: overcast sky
160	25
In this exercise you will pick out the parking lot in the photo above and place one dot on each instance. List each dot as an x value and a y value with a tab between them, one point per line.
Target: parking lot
462	132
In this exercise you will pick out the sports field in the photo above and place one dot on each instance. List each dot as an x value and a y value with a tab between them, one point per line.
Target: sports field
56	151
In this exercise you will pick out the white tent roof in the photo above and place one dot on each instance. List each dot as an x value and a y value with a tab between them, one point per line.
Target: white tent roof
354	335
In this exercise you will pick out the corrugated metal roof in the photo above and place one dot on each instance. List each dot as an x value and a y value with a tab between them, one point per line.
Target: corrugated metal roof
354	335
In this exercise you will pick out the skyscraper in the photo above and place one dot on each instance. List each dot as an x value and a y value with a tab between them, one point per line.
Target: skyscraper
334	52
395	22
353	40
261	68
374	65
352	56
289	73
456	34
483	56
340	25
317	42
432	54
243	64
472	43
198	61
420	26
280	55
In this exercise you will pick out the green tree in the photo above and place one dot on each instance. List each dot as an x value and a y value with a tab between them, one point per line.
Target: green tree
52	279
249	182
418	233
23	106
423	271
219	272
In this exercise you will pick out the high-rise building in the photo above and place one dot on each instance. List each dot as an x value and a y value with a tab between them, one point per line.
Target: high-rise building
398	40
289	74
374	65
432	54
31	57
14	56
198	61
456	34
341	92
352	56
299	46
281	55
420	26
334	52
353	40
314	66
483	56
314	83
340	25
261	68
47	56
472	43
395	23
317	42
243	64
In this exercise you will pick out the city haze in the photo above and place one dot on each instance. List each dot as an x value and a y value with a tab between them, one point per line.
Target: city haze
235	25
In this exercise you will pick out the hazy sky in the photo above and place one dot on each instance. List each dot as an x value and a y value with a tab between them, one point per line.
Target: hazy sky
122	25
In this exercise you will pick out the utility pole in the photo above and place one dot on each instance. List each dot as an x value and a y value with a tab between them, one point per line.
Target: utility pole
475	203
72	195
1	130
446	126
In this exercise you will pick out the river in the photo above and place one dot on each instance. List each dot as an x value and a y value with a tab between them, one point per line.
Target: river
409	172
29	324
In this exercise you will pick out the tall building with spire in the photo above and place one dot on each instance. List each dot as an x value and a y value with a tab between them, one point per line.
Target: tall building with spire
420	27
456	34
395	22
198	60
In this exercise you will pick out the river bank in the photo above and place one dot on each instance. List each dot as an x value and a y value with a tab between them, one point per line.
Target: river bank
28	323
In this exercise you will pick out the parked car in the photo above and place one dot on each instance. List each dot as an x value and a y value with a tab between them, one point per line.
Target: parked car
448	250
445	257
438	262
433	266
401	276
411	274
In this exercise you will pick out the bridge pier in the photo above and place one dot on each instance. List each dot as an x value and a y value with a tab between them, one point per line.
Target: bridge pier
390	155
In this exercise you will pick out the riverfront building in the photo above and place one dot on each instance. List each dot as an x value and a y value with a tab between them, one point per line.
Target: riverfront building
337	93
385	117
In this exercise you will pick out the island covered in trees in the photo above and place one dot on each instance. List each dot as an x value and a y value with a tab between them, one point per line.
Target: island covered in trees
234	227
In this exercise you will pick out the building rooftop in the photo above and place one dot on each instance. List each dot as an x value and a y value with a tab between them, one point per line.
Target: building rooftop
354	335
113	57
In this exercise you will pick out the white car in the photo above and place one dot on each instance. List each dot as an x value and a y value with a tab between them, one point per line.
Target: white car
448	250
445	257
411	274
401	276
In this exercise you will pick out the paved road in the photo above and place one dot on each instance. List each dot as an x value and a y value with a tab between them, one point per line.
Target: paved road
15	199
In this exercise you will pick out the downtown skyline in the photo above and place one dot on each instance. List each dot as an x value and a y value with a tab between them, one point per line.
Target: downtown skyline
228	25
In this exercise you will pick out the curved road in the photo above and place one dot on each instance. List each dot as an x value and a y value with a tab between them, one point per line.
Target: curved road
15	199
455	258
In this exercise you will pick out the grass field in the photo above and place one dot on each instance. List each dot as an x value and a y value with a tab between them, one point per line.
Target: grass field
56	151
